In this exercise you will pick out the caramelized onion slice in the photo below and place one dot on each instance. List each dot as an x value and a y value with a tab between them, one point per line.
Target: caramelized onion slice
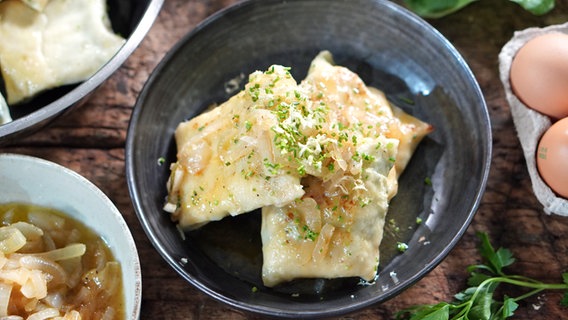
30	231
56	273
72	315
5	292
71	251
324	239
105	279
44	314
11	239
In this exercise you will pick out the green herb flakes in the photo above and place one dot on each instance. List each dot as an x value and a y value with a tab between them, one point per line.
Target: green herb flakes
401	246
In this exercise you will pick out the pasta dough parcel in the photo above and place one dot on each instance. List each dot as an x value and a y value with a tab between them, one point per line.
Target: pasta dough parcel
46	44
228	162
321	158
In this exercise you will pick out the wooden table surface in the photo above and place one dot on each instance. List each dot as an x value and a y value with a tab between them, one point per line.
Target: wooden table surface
91	139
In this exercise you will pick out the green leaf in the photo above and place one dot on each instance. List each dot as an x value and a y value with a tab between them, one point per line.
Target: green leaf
480	267
564	300
504	257
442	313
483	303
477	302
436	8
466	294
536	7
509	306
480	312
477	278
497	259
462	296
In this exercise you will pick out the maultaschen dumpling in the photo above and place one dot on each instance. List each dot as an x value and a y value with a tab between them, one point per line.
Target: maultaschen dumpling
335	229
227	158
4	111
321	158
65	43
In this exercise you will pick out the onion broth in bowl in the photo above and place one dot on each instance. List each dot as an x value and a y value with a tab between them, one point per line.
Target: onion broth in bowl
54	264
51	197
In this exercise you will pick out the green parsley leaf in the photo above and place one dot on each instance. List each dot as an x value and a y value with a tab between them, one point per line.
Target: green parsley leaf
479	301
436	8
536	7
482	302
477	278
441	8
497	259
509	306
564	300
440	311
401	246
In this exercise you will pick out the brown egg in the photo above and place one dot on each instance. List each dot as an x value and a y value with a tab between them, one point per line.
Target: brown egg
552	157
539	74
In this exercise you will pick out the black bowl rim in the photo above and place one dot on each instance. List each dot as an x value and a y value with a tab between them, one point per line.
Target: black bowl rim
41	116
340	310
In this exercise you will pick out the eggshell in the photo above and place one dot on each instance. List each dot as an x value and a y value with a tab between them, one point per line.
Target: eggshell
552	157
539	74
530	124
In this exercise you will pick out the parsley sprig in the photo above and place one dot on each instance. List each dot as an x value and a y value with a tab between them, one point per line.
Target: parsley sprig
441	8
478	302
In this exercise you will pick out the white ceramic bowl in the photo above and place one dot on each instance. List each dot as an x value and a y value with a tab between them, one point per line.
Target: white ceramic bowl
40	182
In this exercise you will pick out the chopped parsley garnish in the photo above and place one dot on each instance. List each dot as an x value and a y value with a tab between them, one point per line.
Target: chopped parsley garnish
248	125
401	246
273	168
254	92
309	234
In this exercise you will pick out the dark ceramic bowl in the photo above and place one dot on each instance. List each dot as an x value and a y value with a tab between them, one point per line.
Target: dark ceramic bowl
390	48
132	20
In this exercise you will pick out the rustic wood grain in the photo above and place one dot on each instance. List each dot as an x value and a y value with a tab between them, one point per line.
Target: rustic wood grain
90	140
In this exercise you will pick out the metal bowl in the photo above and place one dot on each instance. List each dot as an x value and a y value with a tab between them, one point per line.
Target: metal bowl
390	48
131	19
